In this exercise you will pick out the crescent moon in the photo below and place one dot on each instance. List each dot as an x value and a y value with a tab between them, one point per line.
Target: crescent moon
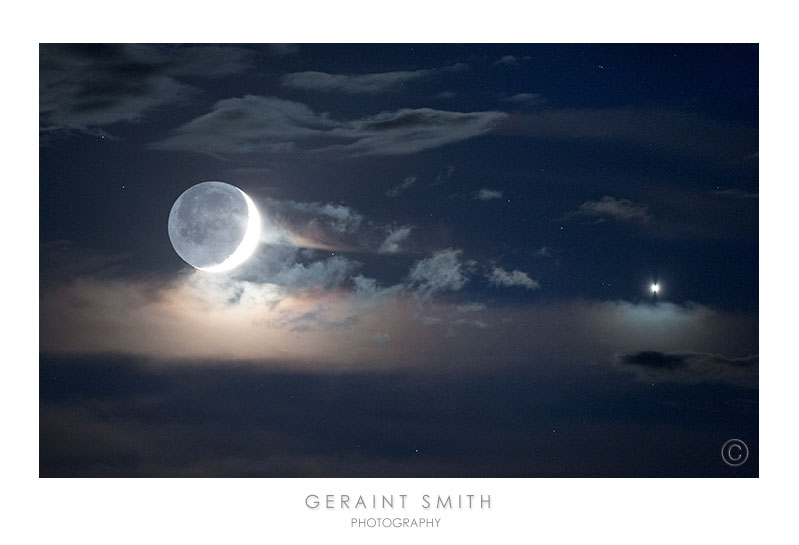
248	243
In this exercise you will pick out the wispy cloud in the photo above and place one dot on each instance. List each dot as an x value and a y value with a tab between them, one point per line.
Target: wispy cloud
267	124
444	176
612	208
413	130
470	307
283	50
371	83
352	83
407	183
507	60
83	87
526	99
487	194
736	193
342	218
693	368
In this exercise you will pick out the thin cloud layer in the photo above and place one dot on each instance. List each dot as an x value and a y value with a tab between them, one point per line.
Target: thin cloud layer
267	124
357	84
693	368
352	83
526	99
197	315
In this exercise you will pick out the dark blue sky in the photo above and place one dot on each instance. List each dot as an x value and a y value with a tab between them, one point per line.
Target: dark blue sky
473	233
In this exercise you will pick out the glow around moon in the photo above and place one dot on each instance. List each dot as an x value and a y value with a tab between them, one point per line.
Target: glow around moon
214	226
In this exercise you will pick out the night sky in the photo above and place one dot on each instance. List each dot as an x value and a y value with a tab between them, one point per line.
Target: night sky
455	267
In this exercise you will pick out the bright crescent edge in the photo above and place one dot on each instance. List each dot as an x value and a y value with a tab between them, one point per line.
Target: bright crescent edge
247	244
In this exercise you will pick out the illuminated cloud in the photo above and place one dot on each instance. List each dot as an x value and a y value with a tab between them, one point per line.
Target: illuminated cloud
443	271
392	242
500	277
206	317
487	194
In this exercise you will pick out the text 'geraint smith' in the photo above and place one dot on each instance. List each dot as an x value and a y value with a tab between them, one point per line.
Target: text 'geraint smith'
397	501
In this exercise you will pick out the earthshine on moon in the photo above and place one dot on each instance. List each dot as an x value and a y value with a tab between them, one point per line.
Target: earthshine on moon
214	226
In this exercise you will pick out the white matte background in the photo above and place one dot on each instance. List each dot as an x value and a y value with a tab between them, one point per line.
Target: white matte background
121	511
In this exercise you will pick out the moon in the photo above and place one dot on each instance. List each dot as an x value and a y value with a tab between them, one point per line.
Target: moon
214	226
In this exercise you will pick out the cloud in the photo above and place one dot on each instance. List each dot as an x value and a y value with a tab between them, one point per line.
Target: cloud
360	83
501	277
693	368
249	124
486	194
443	271
443	177
342	218
507	60
612	208
430	320
369	292
463	322
267	124
310	225
327	274
83	87
413	130
147	418
470	307
381	338
351	83
527	99
207	61
206	317
283	50
313	309
543	251
407	183
395	236
736	193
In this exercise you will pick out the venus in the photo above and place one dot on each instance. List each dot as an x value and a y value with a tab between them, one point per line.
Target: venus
214	226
